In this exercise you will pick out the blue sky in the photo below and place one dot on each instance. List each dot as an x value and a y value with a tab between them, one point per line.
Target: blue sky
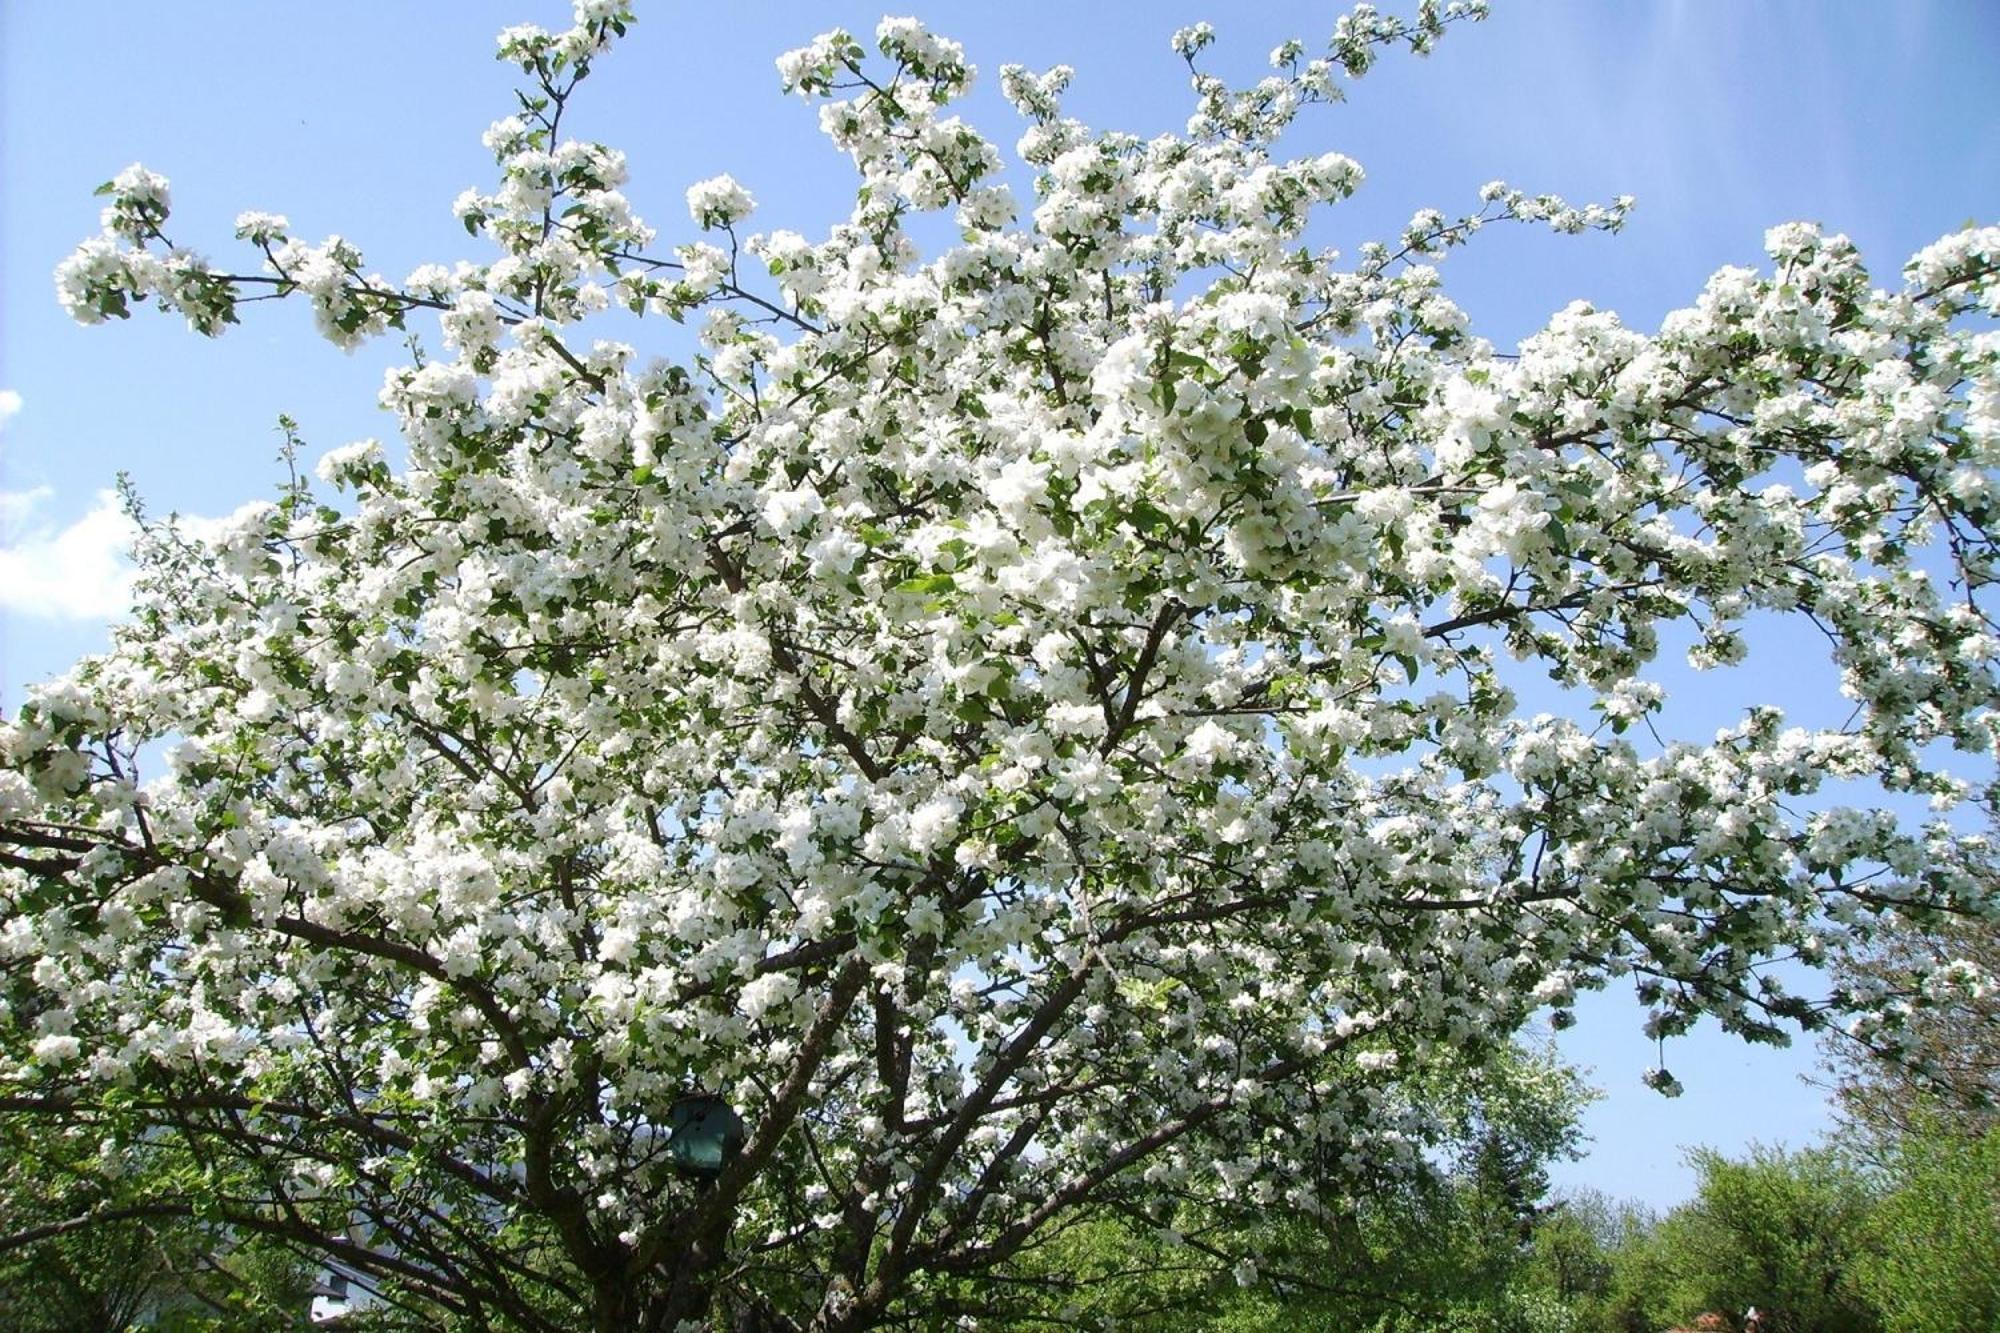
364	119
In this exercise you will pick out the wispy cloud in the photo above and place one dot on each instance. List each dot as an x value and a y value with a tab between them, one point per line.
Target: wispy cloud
74	572
16	508
10	404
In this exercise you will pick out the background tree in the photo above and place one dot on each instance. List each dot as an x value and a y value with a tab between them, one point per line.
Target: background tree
91	1237
1932	1259
1941	1072
1583	1246
1782	1231
1924	1106
1445	1245
1026	725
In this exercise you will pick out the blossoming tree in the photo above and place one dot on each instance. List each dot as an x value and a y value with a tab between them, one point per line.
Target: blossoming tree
1027	726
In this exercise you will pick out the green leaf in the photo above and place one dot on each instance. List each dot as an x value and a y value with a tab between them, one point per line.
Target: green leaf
924	585
1146	517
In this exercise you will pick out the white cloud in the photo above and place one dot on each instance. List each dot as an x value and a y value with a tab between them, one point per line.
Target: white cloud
10	403
15	507
79	572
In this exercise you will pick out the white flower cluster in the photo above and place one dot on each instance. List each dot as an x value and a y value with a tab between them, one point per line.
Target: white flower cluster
719	202
133	261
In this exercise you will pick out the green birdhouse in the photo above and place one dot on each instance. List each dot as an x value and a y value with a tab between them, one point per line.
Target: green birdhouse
705	1135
